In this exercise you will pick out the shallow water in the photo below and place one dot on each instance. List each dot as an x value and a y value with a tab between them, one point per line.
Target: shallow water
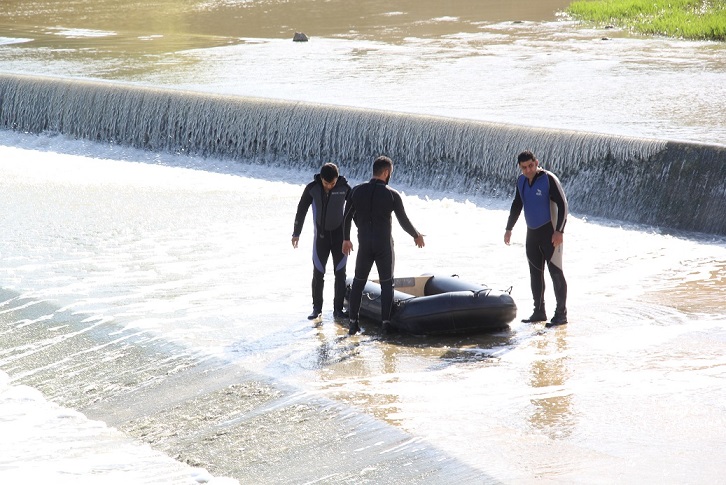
160	296
197	253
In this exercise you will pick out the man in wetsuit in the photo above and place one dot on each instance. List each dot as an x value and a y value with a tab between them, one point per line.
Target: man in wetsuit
370	206
327	193
541	196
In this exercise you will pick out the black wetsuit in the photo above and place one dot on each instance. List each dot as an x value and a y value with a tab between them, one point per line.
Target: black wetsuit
545	210
371	205
328	223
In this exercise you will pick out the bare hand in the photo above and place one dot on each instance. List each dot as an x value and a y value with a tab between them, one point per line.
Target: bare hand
557	238
347	247
294	242
419	241
507	237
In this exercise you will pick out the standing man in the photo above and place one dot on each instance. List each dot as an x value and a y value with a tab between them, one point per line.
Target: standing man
541	196
327	193
370	206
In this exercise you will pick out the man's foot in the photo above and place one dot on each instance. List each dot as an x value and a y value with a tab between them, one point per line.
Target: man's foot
386	327
536	317
557	320
353	327
315	315
340	314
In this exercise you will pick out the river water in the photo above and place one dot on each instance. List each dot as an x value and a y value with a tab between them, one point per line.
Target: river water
510	62
153	318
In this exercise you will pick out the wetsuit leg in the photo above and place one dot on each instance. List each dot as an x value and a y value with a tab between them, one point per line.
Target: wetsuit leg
321	251
363	264
554	263
537	258
384	263
339	298
339	260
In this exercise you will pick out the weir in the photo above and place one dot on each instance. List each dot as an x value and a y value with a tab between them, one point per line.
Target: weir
669	184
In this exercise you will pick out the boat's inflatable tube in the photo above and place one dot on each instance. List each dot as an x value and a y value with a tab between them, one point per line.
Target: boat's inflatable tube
440	305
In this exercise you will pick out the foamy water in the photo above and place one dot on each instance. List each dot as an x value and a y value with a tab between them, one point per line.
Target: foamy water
198	253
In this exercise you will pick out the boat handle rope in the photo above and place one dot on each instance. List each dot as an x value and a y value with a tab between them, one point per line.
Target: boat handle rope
401	301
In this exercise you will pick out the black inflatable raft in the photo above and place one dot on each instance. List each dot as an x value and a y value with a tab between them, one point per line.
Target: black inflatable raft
439	305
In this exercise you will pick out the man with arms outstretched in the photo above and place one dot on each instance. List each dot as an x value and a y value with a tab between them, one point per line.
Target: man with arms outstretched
371	205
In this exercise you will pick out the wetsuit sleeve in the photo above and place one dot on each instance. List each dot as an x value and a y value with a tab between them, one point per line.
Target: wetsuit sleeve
402	216
349	213
514	211
557	195
302	209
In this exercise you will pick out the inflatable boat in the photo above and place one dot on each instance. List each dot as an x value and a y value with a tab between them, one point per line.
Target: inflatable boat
439	305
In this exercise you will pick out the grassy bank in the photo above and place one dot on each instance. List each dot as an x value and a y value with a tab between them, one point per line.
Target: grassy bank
688	19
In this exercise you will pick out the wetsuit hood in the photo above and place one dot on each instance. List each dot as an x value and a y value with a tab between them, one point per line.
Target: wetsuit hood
341	180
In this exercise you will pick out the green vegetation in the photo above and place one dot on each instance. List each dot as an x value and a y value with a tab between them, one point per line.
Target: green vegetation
688	19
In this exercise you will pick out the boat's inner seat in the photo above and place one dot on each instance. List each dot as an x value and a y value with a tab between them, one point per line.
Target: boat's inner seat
413	285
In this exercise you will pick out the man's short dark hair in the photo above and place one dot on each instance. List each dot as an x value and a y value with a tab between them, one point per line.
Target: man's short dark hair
329	172
380	164
525	156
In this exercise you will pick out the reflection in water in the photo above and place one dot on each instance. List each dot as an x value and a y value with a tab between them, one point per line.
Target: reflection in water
392	20
95	29
334	351
147	36
349	370
372	371
551	398
701	292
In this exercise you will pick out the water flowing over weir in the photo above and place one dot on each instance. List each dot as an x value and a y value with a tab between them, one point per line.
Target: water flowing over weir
671	184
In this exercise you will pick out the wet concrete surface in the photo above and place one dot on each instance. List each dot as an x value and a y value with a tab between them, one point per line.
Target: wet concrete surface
206	412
